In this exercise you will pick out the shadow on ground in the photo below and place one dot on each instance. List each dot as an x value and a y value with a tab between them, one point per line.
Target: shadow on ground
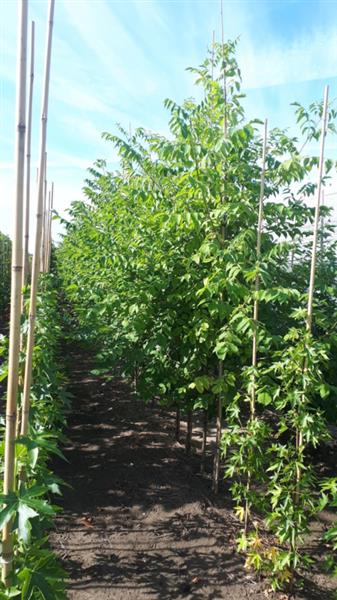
139	521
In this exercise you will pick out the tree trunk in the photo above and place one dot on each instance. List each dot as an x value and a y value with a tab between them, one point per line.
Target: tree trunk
204	440
177	433
216	464
189	433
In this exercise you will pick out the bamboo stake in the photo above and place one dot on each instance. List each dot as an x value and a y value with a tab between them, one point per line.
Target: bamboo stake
44	210
258	257
317	211
49	245
322	230
47	234
216	463
36	257
25	271
28	159
256	303
223	68
16	281
299	434
212	59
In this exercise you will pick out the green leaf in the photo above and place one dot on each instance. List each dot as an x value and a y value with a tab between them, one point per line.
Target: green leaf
264	398
45	588
324	390
7	513
24	527
27	588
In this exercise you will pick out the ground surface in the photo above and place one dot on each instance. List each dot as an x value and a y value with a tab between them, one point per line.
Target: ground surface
140	522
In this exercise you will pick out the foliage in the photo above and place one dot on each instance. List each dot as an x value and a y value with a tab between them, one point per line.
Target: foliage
29	509
5	274
160	266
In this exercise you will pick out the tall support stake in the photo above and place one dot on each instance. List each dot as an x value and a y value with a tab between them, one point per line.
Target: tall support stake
47	234
257	278
317	210
299	433
322	231
256	302
36	257
16	281
216	462
50	220
212	56
44	214
224	83
28	159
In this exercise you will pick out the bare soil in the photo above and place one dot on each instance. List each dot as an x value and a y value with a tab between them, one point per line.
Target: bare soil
139	522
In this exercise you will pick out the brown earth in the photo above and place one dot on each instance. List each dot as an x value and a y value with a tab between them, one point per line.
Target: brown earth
140	522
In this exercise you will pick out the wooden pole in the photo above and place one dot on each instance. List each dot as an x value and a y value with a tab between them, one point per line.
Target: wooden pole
322	231
216	463
46	243
256	302
258	257
317	211
299	433
224	83
213	48
36	257
16	282
44	210
49	237
28	159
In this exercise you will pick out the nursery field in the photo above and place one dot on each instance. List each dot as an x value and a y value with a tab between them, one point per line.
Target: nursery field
168	368
140	520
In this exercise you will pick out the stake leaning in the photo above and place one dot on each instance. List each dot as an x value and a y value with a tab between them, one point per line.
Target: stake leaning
16	281
28	158
39	215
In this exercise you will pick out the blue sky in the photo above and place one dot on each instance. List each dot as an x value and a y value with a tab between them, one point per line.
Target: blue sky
116	61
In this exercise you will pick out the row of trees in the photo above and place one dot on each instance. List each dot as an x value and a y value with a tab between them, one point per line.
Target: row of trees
171	275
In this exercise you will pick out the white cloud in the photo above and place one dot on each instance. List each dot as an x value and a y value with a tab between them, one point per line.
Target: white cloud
120	55
310	56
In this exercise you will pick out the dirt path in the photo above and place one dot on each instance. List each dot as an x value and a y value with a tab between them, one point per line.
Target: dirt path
140	522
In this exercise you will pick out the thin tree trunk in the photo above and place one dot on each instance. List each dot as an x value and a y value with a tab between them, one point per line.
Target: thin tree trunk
216	463
16	283
256	307
204	439
177	432
188	441
257	278
36	257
